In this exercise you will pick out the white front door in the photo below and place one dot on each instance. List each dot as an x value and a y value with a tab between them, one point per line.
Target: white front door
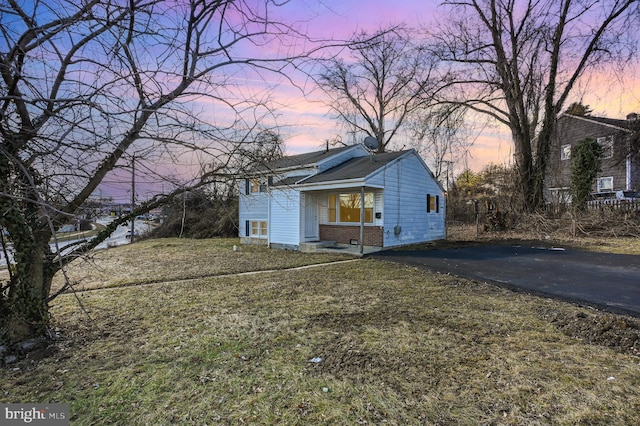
310	217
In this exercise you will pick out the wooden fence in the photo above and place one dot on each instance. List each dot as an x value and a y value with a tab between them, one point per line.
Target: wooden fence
618	205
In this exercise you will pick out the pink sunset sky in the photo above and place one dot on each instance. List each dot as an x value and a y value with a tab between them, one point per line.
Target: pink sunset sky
305	123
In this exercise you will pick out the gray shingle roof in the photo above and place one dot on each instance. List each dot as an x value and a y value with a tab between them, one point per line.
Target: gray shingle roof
355	168
623	124
308	158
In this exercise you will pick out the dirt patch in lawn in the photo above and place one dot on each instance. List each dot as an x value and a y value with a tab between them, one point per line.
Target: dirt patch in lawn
617	332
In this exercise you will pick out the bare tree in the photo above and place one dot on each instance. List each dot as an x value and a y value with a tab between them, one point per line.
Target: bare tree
518	61
440	138
88	86
381	82
263	147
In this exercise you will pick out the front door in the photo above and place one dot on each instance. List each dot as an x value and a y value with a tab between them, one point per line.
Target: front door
310	218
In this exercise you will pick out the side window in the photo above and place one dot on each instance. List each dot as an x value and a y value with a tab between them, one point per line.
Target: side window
255	186
607	146
565	152
605	184
433	203
257	228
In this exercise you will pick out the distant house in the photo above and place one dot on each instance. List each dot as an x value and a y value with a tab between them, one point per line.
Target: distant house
342	196
620	169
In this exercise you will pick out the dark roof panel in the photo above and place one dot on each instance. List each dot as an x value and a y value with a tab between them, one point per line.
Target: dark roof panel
623	124
355	168
308	158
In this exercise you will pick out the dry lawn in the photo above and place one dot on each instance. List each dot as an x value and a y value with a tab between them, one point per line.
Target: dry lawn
392	345
170	259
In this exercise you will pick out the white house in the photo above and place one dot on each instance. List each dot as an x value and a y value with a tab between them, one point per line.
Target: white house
345	195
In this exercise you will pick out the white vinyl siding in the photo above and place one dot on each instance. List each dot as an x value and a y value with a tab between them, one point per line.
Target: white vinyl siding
284	227
407	184
253	207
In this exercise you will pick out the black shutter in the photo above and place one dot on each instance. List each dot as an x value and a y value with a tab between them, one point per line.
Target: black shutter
246	186
247	229
428	203
437	204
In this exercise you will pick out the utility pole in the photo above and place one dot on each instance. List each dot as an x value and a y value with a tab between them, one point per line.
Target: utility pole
133	195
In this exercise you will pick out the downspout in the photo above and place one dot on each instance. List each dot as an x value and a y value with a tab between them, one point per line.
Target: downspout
628	172
362	220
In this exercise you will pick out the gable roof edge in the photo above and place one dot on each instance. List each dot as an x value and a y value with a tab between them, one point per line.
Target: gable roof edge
595	121
413	152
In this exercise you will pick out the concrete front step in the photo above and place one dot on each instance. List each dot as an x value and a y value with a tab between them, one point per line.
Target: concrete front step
314	246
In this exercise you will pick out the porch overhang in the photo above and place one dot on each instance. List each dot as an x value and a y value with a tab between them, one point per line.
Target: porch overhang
336	185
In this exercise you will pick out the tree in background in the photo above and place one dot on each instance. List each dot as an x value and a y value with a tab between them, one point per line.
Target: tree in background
202	213
518	61
379	85
89	87
212	211
493	180
485	197
439	139
585	164
467	184
578	108
266	146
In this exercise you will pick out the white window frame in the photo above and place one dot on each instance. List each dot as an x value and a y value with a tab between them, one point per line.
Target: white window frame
262	229
336	207
600	187
565	152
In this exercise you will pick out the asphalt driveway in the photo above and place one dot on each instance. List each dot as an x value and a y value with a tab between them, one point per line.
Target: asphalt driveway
606	281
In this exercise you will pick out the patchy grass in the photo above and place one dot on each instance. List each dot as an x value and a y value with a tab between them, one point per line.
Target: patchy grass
395	345
616	245
620	245
169	259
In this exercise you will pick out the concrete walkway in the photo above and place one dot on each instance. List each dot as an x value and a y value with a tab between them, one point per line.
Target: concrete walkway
204	277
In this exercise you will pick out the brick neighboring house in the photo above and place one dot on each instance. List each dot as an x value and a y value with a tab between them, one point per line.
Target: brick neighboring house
620	168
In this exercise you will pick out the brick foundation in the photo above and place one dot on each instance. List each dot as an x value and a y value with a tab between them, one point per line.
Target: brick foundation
344	234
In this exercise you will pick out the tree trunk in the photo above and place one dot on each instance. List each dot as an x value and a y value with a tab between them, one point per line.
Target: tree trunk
26	314
525	169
